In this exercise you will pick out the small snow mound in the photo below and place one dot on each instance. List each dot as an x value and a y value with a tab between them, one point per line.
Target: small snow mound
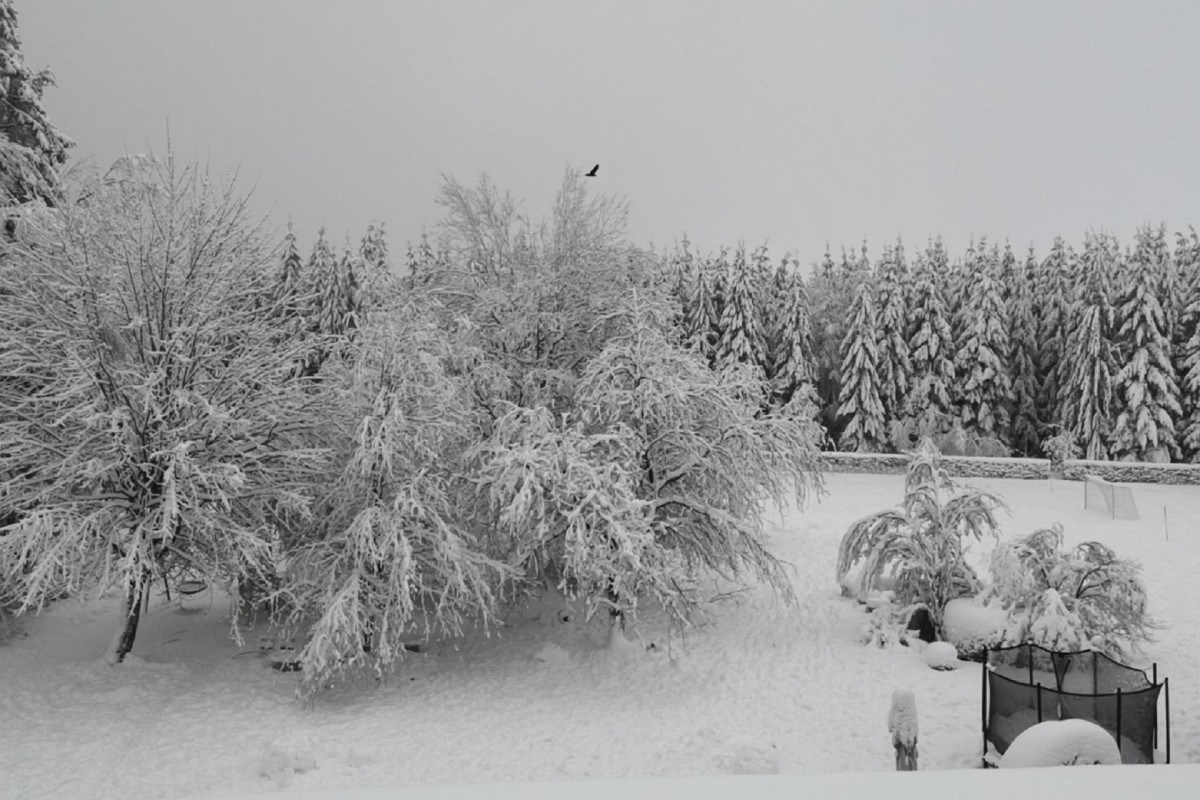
295	751
963	619
552	654
941	656
1062	743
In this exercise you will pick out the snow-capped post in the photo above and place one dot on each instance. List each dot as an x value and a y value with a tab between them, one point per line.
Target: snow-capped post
902	724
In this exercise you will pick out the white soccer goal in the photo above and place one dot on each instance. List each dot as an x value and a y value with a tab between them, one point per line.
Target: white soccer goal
1115	499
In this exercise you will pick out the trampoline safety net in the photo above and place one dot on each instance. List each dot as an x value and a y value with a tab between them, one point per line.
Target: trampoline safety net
1028	684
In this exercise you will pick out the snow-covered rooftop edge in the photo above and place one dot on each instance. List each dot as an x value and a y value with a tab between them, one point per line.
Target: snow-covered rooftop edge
1094	783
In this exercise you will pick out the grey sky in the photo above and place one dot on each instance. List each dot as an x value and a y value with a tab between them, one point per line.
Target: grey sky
798	123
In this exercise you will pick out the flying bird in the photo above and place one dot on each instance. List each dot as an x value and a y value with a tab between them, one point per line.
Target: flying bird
592	174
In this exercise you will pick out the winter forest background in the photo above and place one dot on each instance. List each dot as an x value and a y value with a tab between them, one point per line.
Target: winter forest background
371	442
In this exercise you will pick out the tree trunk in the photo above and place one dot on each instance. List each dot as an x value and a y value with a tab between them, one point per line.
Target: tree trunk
132	606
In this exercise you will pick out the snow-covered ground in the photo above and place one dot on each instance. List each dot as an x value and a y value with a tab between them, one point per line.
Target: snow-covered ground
764	690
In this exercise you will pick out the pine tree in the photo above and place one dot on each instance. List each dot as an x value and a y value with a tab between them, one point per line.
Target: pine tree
859	404
31	149
1091	363
893	361
981	362
1147	394
1187	259
377	279
794	370
1022	363
766	301
1055	295
930	348
830	302
741	340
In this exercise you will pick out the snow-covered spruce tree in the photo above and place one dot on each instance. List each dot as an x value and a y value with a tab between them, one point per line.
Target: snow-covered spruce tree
398	554
1055	295
859	405
1146	392
741	332
377	282
981	363
1022	364
1187	354
921	542
656	477
31	149
700	319
892	326
1088	389
794	373
829	296
1082	599
773	303
930	351
157	434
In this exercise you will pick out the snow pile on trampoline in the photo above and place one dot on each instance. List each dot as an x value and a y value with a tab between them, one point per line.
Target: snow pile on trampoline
1062	743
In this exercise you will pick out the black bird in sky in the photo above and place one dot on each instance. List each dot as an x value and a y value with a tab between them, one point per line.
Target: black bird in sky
592	174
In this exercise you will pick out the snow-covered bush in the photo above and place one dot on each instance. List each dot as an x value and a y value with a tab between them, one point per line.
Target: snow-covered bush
660	472
972	627
1069	600
941	656
921	542
1062	743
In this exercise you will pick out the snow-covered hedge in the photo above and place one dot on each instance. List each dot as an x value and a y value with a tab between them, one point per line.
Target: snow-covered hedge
1133	472
1062	743
1021	468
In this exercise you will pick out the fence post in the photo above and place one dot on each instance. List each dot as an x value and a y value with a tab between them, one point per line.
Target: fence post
1039	701
1119	723
1167	687
983	703
1154	680
902	724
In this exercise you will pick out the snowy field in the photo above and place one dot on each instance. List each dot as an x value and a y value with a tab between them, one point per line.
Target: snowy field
765	690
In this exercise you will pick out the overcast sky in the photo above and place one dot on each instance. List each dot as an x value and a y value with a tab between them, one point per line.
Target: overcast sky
798	123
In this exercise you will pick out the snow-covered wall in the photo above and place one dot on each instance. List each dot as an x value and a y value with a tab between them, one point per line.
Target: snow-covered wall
1023	468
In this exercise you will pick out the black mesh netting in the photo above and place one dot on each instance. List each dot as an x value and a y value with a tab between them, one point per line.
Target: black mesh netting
1028	684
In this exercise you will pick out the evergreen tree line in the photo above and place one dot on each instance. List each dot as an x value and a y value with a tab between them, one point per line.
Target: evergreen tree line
993	352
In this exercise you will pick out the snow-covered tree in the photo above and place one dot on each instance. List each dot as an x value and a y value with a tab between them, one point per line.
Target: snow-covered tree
659	474
794	373
1022	363
1147	394
830	298
398	553
981	363
32	150
741	335
1087	390
377	280
921	543
1055	295
1187	354
892	326
930	349
700	320
156	434
859	404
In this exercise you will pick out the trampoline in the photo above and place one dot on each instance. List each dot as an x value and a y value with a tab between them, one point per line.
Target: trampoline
1027	684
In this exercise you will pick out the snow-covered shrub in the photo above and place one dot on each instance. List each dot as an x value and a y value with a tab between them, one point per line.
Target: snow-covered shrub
1069	600
921	542
941	656
972	627
659	473
1062	743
